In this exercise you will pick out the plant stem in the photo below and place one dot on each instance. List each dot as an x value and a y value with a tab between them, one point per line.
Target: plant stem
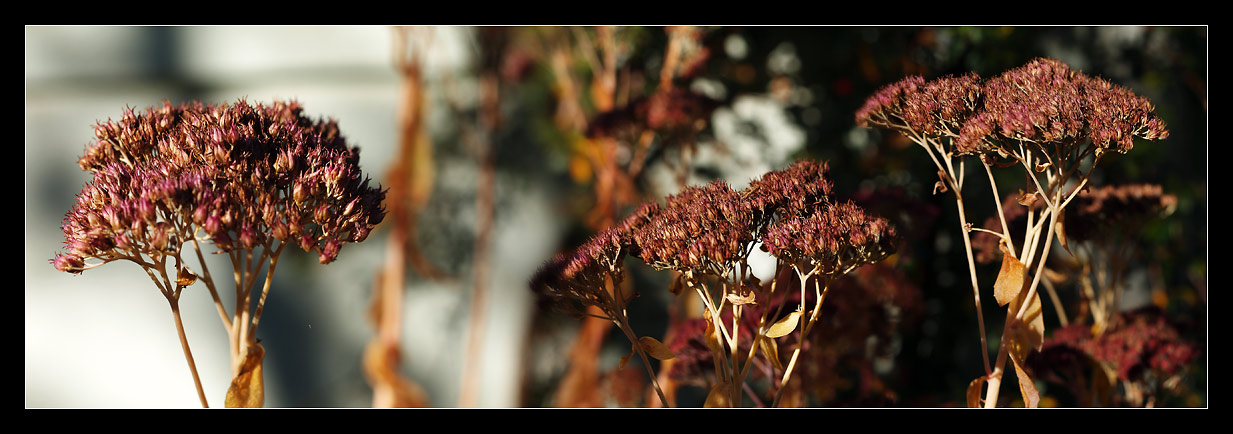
188	354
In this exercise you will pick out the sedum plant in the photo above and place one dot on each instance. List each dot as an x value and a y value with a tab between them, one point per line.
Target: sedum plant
706	234
248	179
1051	122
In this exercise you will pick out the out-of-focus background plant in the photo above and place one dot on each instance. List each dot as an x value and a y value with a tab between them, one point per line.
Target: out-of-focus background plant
530	140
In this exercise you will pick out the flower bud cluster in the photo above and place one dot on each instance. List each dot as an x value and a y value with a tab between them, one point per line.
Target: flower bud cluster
239	175
1043	101
834	238
1093	211
708	229
1142	341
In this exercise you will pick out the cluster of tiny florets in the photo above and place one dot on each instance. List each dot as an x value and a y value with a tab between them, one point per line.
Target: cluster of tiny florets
700	229
707	229
1043	101
1141	341
842	235
1095	210
239	175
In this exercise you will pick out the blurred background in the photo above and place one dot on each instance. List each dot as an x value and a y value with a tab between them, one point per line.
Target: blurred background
529	140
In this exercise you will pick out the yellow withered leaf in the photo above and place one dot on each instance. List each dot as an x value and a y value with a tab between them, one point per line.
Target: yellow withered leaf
247	388
1010	278
784	326
770	350
655	348
712	337
718	396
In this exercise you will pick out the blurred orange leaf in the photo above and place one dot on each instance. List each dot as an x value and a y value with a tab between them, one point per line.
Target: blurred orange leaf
655	348
974	390
718	396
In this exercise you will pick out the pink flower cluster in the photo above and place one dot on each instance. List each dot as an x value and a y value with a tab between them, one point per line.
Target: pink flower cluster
236	174
1043	101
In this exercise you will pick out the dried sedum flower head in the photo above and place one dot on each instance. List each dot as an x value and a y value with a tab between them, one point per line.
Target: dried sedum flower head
835	239
242	175
580	277
1043	101
1116	205
700	229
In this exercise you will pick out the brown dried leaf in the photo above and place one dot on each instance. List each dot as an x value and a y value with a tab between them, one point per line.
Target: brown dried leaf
712	337
1027	199
1010	278
185	277
1031	397
784	326
1060	229
940	186
718	396
1042	166
1023	337
655	348
770	350
737	299
625	360
247	388
974	390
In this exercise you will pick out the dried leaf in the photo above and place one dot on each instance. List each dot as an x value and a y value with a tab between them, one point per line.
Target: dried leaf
718	396
784	325
1010	278
1031	397
1027	199
1104	379
1023	337
655	348
1060	229
247	388
712	337
625	360
737	299
974	390
1042	166
185	277
940	186
770	350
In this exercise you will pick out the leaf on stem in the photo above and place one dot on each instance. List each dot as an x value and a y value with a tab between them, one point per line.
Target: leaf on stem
1027	199
1031	397
718	396
1010	278
712	336
940	186
185	277
737	299
784	326
655	348
247	388
974	390
625	360
1028	334
1022	337
1060	228
770	350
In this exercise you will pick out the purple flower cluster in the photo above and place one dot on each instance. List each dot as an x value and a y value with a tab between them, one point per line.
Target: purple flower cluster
1044	101
709	229
1141	341
839	236
242	175
1093	211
